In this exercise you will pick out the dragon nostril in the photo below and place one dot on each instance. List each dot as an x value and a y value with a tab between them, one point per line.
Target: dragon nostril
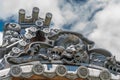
29	51
114	69
110	67
53	52
118	70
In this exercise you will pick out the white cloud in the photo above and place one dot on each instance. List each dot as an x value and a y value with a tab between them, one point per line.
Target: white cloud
107	34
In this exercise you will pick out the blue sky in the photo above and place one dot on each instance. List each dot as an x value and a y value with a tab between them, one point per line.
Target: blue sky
7	20
1	25
99	20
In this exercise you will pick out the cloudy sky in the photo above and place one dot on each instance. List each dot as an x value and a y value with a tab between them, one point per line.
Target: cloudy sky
99	20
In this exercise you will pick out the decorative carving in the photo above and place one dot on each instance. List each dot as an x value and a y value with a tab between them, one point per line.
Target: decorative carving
105	75
83	72
38	69
15	71
32	40
61	70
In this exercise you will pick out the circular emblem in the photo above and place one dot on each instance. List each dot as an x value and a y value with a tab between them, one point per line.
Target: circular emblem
38	69
46	30
15	50
33	29
105	75
61	70
16	71
13	26
28	35
39	23
83	72
23	43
